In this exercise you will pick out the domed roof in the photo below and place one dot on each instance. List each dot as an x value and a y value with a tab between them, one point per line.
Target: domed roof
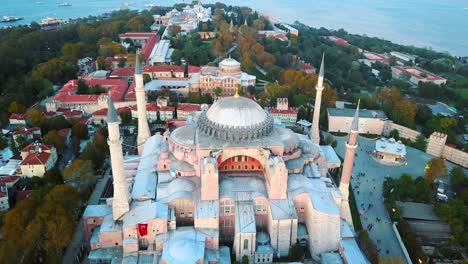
236	112
229	62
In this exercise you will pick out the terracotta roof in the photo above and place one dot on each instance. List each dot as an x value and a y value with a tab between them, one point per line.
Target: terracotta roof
111	59
103	112
374	56
18	116
34	146
9	179
72	113
137	35
167	108
116	89
21	195
188	107
149	46
286	112
64	132
430	76
130	95
171	68
123	72
38	158
27	131
84	120
152	107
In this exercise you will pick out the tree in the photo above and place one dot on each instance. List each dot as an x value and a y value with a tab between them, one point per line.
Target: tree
395	134
35	117
53	138
80	130
16	108
245	260
296	253
146	78
126	117
54	176
435	168
3	142
80	174
217	91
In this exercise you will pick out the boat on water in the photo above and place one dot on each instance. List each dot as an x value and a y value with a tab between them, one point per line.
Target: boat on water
51	23
6	19
150	5
64	4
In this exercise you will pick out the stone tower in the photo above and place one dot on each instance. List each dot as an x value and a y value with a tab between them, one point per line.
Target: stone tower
436	144
143	128
348	163
315	132
120	202
282	103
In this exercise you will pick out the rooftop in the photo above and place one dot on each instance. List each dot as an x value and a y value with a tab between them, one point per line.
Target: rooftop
390	146
363	113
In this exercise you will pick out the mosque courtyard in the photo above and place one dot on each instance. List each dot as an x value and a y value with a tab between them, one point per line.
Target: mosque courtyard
368	190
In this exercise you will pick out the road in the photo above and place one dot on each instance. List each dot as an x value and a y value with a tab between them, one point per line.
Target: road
73	249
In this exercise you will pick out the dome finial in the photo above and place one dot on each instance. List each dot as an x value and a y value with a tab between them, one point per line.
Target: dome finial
237	93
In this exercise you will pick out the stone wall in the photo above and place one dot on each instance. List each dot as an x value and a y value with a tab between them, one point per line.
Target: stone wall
456	156
436	147
404	132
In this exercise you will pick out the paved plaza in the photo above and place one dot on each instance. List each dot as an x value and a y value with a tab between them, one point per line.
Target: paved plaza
368	190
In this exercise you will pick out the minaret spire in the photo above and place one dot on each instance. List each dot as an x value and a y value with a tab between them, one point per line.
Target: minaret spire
348	163
231	26
120	202
143	128
315	132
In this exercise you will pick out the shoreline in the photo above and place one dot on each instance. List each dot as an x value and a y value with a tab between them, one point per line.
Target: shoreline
270	14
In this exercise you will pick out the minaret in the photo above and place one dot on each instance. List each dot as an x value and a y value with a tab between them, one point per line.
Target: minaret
143	128
231	26
245	22
348	163
120	202
315	132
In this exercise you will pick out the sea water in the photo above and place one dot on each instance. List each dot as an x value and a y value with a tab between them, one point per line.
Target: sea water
440	25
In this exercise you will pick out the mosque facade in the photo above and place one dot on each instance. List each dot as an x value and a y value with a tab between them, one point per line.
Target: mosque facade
230	182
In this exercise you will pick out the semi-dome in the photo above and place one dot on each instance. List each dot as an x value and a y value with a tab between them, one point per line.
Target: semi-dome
236	118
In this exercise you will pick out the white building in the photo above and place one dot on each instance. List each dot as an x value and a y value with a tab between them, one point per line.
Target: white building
228	76
403	56
389	151
370	121
187	19
37	159
417	75
161	53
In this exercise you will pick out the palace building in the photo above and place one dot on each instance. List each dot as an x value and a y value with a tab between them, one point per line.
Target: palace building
228	76
229	182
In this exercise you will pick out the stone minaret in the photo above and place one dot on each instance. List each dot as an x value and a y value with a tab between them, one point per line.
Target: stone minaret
143	128
231	26
348	163
120	202
315	132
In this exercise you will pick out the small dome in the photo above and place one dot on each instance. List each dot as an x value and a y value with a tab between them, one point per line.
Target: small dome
229	63
236	112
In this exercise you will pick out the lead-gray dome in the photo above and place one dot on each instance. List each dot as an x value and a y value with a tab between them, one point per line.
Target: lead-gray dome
236	112
236	118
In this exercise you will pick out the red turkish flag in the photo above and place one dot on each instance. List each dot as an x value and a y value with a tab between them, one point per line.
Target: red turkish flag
143	229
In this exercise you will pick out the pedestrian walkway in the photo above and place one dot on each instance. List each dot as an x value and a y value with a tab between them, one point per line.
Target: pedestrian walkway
367	184
73	249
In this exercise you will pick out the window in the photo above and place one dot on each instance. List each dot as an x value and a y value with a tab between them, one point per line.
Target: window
246	244
227	207
259	206
227	223
225	167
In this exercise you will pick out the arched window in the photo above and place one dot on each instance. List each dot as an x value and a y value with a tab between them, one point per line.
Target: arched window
246	244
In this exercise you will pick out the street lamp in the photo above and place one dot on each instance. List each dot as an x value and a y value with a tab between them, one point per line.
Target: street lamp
393	209
420	261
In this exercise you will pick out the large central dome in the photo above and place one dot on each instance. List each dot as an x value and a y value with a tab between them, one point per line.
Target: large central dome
236	112
235	118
